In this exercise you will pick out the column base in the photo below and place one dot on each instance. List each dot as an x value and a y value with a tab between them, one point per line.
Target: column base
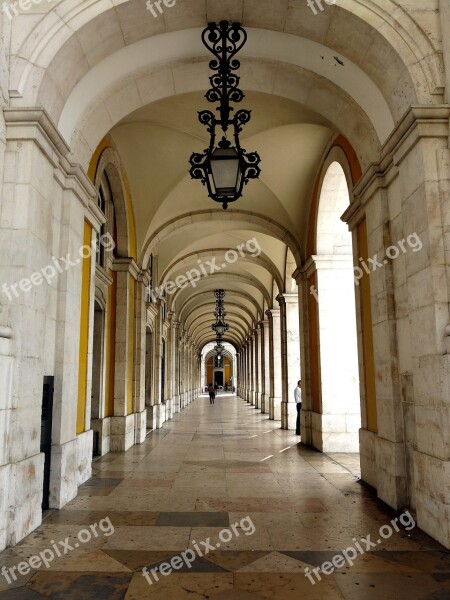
275	409
335	433
71	465
257	399
122	433
431	476
20	509
101	436
288	415
264	404
176	404
151	417
162	417
169	409
140	427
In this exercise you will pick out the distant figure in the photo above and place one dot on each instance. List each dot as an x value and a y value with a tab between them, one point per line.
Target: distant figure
212	393
216	386
226	386
298	400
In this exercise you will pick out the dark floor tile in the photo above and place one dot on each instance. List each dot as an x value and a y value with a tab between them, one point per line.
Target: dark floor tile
193	519
102	482
80	586
131	518
199	565
89	492
430	561
311	557
136	560
233	560
395	586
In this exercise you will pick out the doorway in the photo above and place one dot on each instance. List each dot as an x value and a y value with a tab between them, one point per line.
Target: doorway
46	436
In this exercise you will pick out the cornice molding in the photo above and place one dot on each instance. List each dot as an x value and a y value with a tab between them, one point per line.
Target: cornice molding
419	122
34	124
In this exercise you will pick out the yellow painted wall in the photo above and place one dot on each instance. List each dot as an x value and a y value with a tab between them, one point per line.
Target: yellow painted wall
84	331
367	334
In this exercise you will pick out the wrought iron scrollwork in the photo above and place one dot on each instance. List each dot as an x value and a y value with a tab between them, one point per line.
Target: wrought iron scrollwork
224	41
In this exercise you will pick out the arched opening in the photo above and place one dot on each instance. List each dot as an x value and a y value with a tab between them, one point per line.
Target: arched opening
220	370
336	424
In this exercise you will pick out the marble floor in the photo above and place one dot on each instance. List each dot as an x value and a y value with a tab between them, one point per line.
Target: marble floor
250	507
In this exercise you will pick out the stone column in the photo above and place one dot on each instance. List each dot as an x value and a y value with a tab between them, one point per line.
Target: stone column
170	366
188	370
265	366
237	372
250	370
253	368
276	398
123	421
290	321
45	201
336	429
140	417
244	370
176	366
157	407
256	390
8	499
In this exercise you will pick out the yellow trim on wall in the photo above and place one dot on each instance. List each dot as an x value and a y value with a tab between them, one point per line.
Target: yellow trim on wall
93	164
367	334
130	356
84	332
92	171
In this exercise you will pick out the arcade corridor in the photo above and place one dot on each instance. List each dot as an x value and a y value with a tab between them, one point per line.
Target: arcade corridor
209	467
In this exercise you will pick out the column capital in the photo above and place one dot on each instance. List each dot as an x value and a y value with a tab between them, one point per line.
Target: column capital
299	275
126	265
288	298
144	277
273	312
281	300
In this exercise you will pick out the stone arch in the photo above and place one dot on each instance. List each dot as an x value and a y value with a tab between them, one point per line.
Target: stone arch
185	260
109	164
395	30
259	223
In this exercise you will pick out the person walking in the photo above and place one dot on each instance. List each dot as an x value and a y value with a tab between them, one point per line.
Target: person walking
298	400
212	393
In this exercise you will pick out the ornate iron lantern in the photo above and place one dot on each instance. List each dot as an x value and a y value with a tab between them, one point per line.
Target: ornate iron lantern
220	327
224	167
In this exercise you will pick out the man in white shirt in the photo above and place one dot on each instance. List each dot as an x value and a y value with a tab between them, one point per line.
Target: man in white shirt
298	400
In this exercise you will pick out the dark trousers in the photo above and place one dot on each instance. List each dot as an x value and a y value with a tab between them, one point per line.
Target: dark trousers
211	397
297	425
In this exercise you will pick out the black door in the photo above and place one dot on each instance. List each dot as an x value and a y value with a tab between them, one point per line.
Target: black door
46	436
